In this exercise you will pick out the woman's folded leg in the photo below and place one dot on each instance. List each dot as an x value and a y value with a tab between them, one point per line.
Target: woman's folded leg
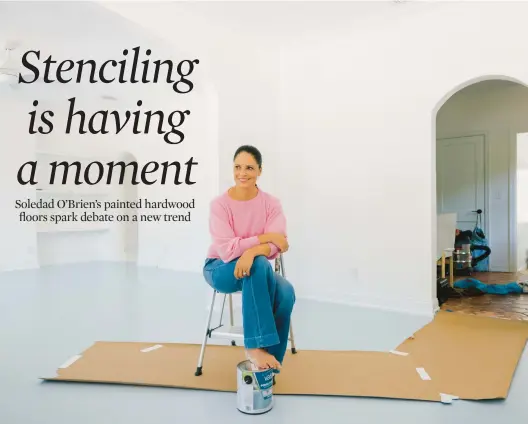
258	294
283	307
220	276
258	304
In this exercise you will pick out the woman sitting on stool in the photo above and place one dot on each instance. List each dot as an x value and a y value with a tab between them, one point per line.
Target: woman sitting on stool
248	229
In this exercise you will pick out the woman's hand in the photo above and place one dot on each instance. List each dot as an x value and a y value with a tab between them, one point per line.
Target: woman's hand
279	240
243	265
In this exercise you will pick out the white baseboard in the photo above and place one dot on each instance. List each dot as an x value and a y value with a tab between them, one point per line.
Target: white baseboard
436	306
500	269
405	306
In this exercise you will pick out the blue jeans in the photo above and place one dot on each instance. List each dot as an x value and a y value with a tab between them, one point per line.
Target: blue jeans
267	302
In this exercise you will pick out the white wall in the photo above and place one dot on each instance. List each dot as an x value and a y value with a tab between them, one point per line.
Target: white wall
358	119
158	244
18	249
498	110
241	56
522	201
342	97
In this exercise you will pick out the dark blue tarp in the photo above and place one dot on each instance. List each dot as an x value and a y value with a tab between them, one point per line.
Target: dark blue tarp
508	288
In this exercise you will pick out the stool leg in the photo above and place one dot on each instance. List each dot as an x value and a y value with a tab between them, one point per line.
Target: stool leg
283	272
231	316
204	342
292	340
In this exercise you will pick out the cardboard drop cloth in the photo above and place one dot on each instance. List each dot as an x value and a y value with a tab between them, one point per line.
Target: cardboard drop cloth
454	356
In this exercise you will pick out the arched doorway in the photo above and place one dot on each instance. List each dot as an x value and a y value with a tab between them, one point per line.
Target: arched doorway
476	126
86	239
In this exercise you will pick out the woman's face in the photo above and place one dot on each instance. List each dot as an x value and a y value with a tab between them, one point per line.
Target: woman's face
246	170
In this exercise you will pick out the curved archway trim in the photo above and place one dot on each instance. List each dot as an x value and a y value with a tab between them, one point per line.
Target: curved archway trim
438	105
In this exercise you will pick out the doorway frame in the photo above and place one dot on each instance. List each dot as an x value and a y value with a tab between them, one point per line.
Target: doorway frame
487	197
512	196
513	133
512	186
450	92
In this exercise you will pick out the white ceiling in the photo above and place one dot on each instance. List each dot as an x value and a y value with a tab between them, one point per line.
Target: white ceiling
271	18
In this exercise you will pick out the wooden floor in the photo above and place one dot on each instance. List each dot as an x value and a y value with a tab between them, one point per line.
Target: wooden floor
512	306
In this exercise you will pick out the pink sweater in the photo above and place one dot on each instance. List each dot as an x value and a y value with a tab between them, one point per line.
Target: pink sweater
235	224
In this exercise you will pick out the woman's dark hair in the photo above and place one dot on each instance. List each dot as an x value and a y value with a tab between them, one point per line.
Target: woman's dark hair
253	151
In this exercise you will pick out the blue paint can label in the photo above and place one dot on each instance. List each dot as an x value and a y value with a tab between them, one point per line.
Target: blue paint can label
265	380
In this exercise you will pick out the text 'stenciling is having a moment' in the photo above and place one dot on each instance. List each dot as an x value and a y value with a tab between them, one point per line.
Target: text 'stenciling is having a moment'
130	70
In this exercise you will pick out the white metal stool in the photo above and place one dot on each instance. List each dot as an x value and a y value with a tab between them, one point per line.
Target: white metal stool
234	332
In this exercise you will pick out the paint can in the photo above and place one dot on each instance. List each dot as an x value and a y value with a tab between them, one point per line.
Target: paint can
254	389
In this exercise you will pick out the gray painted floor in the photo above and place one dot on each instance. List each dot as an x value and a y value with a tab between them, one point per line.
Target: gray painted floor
48	315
